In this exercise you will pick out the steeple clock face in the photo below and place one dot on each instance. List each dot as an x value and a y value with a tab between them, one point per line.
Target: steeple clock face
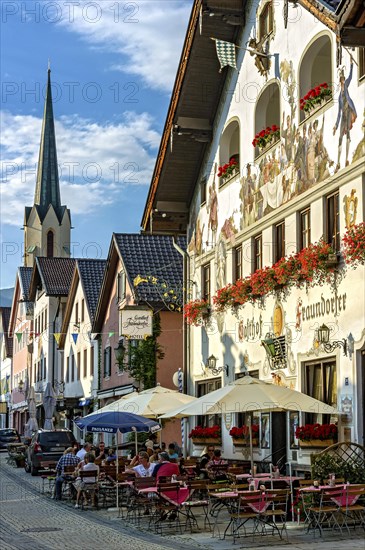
221	263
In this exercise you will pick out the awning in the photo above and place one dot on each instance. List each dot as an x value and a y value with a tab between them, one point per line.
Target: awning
84	402
115	392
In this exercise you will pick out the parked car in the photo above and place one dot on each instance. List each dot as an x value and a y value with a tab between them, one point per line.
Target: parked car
47	445
8	435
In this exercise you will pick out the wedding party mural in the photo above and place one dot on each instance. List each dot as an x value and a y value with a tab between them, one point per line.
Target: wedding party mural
300	158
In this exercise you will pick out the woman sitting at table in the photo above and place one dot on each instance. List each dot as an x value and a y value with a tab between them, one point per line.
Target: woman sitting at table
81	484
141	466
213	467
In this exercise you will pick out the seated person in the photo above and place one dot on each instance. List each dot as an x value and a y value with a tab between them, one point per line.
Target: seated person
154	456
111	456
101	452
67	459
173	455
165	468
213	467
80	484
140	465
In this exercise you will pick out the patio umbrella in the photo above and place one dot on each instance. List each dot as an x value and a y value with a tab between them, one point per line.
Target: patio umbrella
49	403
32	424
114	421
249	394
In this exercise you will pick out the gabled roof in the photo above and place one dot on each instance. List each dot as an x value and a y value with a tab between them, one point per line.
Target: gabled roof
151	255
144	255
90	274
54	275
5	318
344	17
190	118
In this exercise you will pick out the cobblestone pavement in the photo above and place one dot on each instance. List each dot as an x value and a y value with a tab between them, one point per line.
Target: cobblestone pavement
32	521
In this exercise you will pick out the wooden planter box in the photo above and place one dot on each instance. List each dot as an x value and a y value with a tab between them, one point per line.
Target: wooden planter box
317	443
243	442
206	441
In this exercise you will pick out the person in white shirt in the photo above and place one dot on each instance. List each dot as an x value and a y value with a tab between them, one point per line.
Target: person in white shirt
82	452
88	466
141	466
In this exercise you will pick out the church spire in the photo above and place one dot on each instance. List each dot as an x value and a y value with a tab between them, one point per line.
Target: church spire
47	189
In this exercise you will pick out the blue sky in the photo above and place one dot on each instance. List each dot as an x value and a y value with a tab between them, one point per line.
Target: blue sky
113	65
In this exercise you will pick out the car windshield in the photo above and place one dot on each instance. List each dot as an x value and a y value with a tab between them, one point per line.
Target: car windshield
60	438
8	432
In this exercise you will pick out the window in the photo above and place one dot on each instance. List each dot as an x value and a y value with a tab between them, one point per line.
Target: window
279	241
206	282
257	258
50	239
78	366
361	63
267	113
45	319
72	367
67	377
44	368
85	363
237	274
333	221
315	68
91	360
77	313
107	361
266	20
82	310
203	191
203	388
305	228
229	147
121	284
321	383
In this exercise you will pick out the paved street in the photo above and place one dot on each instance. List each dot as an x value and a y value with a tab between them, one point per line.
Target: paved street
34	521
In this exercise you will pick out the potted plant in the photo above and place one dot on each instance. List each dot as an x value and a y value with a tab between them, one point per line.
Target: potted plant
354	245
317	435
206	435
266	137
226	171
196	311
241	436
315	97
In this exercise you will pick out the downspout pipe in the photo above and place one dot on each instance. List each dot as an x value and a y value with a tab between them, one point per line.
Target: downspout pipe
185	331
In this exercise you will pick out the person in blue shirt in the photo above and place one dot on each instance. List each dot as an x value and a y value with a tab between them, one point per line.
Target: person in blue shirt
173	455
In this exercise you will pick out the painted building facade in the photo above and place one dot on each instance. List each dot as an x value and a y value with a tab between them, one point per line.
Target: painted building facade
283	169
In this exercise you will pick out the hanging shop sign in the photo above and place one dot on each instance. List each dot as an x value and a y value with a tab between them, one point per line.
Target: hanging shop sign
136	323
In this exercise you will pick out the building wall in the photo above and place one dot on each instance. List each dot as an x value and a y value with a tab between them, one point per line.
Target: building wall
299	171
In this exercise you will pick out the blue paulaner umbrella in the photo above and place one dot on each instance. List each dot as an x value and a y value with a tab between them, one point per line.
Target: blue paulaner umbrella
113	421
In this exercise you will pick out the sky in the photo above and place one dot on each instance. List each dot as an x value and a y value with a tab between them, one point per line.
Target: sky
113	65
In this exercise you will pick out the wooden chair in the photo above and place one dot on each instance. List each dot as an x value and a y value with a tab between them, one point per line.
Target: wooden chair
138	504
198	499
167	508
89	480
353	506
240	515
48	473
275	516
305	482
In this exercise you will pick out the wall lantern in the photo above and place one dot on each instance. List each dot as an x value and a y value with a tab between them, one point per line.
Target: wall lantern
275	347
323	337
211	365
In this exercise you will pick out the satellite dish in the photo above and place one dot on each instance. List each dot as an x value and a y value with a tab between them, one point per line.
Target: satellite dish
175	378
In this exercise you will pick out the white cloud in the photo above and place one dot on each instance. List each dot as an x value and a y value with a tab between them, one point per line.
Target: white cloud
149	34
96	161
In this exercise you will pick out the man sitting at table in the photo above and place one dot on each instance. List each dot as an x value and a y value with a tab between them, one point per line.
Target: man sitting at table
165	468
68	459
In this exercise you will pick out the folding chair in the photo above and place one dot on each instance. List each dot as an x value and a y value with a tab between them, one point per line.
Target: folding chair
242	514
353	506
138	503
275	515
326	514
167	508
198	499
89	490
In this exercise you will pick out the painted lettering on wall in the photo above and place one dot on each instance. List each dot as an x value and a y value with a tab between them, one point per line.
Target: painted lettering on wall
251	330
325	306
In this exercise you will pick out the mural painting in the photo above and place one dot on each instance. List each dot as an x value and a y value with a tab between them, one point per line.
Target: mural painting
212	209
300	159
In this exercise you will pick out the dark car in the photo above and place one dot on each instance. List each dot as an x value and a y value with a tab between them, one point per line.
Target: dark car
8	435
47	445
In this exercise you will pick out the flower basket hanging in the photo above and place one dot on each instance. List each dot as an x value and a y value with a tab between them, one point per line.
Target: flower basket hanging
315	98
206	441
241	436
196	312
210	435
317	435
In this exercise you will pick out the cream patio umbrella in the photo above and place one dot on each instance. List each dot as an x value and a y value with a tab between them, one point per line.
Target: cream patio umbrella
249	394
150	403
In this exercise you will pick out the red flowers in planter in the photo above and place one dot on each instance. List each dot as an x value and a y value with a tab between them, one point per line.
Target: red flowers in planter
199	432
316	431
266	136
244	431
195	311
354	245
228	169
315	97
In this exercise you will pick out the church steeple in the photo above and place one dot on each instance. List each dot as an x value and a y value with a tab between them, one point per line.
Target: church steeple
47	224
47	189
